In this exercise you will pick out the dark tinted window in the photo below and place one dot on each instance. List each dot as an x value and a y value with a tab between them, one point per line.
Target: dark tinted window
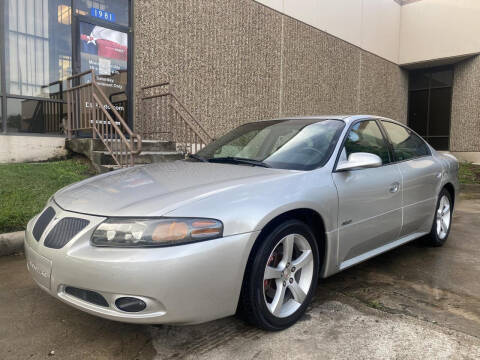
441	78
418	111
366	136
406	145
419	79
429	104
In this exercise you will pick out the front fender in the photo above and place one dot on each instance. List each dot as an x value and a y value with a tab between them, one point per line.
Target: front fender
251	206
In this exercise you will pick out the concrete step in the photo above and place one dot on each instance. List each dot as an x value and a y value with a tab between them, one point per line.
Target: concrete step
147	145
145	157
102	161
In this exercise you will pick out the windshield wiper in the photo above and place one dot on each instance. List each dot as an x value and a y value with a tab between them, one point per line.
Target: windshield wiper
238	160
197	157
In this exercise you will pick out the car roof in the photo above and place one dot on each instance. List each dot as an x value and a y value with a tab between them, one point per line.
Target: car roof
346	118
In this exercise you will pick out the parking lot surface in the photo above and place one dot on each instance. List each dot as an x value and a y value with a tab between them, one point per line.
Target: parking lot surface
413	302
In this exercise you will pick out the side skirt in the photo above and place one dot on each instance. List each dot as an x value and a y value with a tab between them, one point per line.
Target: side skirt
379	250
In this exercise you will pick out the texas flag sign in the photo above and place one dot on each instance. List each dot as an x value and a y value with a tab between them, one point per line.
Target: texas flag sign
106	43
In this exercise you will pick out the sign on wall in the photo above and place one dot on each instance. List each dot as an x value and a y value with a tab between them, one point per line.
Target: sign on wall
105	51
102	14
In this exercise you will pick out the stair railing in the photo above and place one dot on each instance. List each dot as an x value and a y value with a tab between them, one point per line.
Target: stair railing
52	110
90	110
164	117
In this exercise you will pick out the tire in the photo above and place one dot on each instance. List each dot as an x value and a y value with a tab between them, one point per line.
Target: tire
442	221
261	302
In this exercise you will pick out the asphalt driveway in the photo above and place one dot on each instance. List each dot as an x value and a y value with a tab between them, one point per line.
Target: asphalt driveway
413	302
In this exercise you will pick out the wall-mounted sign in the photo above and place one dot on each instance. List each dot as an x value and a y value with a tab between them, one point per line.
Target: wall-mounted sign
102	14
106	52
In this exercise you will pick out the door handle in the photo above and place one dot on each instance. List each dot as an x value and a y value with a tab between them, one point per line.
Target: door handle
394	187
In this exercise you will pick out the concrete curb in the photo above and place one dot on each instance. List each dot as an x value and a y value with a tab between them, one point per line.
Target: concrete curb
11	243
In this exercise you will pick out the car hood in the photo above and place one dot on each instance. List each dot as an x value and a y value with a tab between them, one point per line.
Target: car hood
156	189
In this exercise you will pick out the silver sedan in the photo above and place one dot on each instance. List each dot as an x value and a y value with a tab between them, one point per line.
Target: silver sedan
246	225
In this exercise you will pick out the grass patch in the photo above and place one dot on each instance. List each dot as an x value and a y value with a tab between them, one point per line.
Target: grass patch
469	173
26	187
374	304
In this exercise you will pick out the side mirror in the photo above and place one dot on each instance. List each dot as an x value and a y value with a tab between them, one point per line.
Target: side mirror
358	161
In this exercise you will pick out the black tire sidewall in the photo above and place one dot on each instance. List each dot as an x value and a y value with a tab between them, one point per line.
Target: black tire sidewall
263	315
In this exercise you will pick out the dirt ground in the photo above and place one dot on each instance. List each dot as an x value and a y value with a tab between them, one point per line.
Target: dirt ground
413	302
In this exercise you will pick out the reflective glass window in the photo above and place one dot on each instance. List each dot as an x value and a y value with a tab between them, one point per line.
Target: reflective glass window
441	78
37	44
27	115
429	105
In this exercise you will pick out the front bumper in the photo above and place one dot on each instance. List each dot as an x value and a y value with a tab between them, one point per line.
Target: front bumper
182	284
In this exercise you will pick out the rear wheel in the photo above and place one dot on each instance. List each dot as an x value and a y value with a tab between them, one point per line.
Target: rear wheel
442	221
281	277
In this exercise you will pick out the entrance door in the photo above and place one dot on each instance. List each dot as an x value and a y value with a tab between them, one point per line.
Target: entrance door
104	48
429	105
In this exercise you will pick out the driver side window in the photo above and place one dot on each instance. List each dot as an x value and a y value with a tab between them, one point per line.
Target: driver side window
365	136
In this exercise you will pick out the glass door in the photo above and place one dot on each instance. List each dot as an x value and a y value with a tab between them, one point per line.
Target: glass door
105	50
429	105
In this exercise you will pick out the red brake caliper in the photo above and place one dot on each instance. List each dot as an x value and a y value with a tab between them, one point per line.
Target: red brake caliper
266	282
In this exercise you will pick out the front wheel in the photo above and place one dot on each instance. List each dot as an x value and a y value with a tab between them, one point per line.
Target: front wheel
281	277
442	221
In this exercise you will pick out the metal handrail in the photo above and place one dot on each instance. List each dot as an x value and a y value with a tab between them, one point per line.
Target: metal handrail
79	75
87	110
208	138
114	110
188	132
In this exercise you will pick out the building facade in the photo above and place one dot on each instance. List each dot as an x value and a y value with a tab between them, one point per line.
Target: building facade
235	61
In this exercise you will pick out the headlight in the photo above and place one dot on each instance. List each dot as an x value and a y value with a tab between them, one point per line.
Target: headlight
119	232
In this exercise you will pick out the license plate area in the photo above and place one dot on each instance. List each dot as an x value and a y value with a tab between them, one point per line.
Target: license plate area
39	267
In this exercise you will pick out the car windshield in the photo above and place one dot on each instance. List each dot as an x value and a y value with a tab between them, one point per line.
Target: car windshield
297	144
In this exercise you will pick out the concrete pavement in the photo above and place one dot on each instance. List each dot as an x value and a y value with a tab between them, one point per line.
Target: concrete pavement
413	302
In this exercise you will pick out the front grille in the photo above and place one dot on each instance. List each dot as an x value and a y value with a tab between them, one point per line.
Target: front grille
87	295
42	222
64	231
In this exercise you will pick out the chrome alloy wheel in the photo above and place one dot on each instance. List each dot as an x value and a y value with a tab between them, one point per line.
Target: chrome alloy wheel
443	217
288	275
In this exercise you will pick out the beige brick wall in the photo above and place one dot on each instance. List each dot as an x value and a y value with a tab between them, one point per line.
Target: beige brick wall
465	119
234	61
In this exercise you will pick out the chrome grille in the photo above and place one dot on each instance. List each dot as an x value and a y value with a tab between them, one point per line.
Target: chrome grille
42	222
64	231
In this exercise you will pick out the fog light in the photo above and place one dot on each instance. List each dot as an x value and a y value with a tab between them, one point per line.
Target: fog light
130	304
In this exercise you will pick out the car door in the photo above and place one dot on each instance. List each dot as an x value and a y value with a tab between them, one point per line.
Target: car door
370	200
421	174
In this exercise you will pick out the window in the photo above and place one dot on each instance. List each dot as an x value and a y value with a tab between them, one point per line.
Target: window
37	45
429	104
286	144
29	115
406	145
366	136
